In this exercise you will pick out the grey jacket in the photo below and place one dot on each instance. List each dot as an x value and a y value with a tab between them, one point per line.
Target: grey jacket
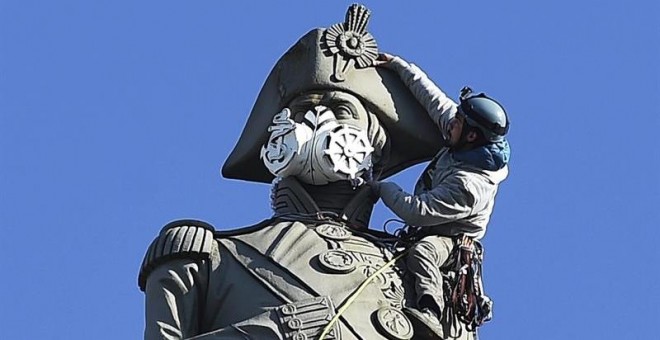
460	197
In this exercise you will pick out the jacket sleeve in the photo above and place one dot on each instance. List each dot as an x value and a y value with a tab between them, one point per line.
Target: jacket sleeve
451	201
440	107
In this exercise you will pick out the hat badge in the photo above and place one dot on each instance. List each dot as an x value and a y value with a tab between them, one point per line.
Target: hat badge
349	43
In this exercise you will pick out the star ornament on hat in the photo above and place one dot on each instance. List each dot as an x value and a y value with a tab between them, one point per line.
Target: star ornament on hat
350	43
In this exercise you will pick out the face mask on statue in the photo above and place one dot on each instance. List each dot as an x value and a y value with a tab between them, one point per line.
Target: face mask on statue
319	150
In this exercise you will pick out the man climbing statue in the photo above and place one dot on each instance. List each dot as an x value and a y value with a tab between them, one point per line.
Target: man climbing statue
454	197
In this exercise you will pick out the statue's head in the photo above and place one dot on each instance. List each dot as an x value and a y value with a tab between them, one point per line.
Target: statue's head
325	136
325	114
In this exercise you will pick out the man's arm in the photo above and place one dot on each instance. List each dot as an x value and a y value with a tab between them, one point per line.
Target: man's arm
439	107
451	201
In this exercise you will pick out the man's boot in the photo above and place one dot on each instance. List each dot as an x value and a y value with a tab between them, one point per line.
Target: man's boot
426	323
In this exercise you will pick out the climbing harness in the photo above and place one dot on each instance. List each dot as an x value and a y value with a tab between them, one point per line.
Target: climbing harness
467	301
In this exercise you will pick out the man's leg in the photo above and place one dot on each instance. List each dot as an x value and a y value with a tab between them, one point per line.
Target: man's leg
424	261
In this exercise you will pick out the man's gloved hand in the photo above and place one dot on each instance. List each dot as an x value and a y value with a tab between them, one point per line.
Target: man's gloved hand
375	188
383	59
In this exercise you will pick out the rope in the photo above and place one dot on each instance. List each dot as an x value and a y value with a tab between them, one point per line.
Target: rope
391	220
347	303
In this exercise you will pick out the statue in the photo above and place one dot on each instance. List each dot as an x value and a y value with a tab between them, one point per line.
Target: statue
324	123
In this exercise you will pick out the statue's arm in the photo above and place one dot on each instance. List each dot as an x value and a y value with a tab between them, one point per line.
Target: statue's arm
173	296
439	107
177	272
174	277
175	299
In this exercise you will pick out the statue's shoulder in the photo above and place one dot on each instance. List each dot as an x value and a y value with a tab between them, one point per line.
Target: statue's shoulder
245	230
191	239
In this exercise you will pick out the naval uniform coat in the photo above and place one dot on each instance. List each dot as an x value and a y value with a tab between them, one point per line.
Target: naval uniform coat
276	280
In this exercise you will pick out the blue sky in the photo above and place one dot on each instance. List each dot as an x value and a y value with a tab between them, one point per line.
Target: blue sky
116	116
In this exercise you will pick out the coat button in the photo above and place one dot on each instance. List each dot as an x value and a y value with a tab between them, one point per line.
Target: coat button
333	232
393	324
337	261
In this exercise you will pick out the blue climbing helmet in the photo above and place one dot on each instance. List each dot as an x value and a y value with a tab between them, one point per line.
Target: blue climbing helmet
485	114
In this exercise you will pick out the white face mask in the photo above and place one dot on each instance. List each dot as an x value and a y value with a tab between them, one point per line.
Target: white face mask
317	151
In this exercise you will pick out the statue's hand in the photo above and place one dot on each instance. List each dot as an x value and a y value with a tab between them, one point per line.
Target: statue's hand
383	59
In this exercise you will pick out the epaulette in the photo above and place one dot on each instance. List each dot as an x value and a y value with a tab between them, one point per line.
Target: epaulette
190	239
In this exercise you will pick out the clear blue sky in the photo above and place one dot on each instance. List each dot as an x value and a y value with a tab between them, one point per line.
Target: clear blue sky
116	116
